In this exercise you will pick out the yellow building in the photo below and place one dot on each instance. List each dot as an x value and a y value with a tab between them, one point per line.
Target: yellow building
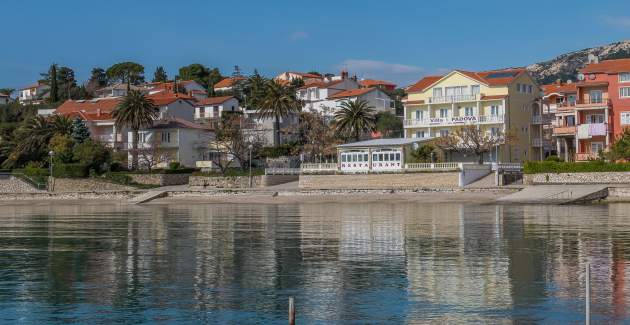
496	101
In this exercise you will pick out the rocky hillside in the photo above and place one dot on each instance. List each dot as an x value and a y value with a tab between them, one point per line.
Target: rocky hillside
566	65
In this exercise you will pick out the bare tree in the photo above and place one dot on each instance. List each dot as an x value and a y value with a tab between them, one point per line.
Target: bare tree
150	155
316	135
472	140
232	145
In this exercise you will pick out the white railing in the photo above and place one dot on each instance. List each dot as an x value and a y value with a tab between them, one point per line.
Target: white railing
455	120
315	167
507	166
452	99
433	166
537	119
282	171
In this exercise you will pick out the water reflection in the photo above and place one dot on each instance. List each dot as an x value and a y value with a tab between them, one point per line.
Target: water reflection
386	263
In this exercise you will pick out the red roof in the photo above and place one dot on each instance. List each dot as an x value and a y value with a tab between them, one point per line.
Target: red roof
559	88
352	93
228	82
491	78
213	100
423	83
321	84
108	105
608	66
306	75
374	82
161	99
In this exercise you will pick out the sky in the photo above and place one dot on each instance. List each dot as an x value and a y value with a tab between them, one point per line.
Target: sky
394	40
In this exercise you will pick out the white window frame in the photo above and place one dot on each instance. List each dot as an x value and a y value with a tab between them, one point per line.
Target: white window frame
444	112
468	110
625	118
437	92
597	144
494	110
475	89
621	92
419	114
444	132
624	77
595	91
595	118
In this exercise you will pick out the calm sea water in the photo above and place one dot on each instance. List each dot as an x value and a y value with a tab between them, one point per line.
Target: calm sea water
374	263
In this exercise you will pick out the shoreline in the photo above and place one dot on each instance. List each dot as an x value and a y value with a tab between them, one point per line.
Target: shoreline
261	196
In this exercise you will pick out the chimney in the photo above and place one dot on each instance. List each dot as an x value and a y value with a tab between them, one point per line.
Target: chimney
98	112
344	74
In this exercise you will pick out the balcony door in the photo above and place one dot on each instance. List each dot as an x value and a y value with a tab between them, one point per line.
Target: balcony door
596	96
597	147
595	118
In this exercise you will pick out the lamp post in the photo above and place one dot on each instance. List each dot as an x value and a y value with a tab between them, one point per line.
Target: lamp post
51	154
250	147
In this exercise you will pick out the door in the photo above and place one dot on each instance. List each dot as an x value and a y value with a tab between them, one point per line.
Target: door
596	96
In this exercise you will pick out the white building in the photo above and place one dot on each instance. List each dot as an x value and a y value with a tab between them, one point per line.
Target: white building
214	107
34	94
316	96
171	140
378	155
228	84
289	76
375	97
4	99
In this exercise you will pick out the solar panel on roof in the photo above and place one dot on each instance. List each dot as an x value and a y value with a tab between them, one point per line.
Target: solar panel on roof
501	75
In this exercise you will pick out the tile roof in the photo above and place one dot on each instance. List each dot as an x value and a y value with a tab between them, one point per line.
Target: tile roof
306	75
491	78
213	100
228	82
352	93
608	66
374	82
559	88
163	98
109	104
34	85
423	83
321	84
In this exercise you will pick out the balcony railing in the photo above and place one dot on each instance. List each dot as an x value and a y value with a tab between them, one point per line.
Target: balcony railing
537	142
586	156
452	99
455	120
564	130
593	102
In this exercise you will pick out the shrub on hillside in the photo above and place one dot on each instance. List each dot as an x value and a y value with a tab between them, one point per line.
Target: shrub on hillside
75	170
92	154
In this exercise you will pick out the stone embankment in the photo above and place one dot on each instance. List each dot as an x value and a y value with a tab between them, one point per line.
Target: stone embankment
11	184
160	179
87	185
577	178
381	181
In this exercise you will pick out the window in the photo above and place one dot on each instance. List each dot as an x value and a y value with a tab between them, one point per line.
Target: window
343	158
444	133
316	93
572	99
518	87
455	91
202	112
624	77
494	131
437	92
375	157
166	137
625	118
380	157
595	118
597	147
397	156
365	157
420	134
468	111
624	92
530	89
419	115
474	89
443	112
596	96
494	110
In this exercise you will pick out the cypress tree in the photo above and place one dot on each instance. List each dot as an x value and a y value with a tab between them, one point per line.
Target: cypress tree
54	89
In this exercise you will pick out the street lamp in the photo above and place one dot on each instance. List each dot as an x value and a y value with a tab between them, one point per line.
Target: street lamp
250	147
51	154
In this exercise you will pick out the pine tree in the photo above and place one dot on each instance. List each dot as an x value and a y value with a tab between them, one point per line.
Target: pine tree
54	89
80	131
160	75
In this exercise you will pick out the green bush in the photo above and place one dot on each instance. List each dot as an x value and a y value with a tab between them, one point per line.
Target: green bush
537	167
71	171
119	178
34	169
92	154
174	165
553	158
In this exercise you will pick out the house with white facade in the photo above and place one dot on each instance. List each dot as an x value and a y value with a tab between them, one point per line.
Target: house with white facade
228	84
34	94
115	90
190	87
97	113
171	140
213	107
289	76
375	97
316	96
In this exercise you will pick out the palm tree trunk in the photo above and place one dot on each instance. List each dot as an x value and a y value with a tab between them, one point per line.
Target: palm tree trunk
134	150
277	131
357	135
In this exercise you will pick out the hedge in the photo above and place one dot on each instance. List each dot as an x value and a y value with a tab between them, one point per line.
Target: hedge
70	171
538	167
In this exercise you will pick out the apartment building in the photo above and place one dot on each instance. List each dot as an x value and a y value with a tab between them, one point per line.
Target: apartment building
318	95
496	101
588	122
34	94
556	98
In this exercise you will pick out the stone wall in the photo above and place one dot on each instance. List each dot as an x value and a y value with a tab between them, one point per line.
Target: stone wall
86	185
577	178
271	180
381	181
224	182
12	184
160	179
90	195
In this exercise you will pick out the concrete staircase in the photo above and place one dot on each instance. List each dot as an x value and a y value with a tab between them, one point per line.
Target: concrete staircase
148	196
557	194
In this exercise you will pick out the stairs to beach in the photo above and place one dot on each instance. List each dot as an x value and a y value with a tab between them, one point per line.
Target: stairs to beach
557	194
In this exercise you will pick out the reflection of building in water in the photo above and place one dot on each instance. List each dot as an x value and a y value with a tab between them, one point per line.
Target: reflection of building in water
454	258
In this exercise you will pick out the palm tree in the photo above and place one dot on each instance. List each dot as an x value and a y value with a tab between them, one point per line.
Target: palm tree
278	101
135	111
355	117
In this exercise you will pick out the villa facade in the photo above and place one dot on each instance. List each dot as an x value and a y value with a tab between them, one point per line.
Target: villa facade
496	101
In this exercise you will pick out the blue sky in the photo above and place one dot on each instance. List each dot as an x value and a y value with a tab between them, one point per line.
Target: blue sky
396	40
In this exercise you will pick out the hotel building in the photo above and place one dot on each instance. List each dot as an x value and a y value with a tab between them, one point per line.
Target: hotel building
497	102
590	117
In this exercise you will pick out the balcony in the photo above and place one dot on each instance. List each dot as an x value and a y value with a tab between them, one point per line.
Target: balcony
540	119
593	103
452	99
454	120
564	130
